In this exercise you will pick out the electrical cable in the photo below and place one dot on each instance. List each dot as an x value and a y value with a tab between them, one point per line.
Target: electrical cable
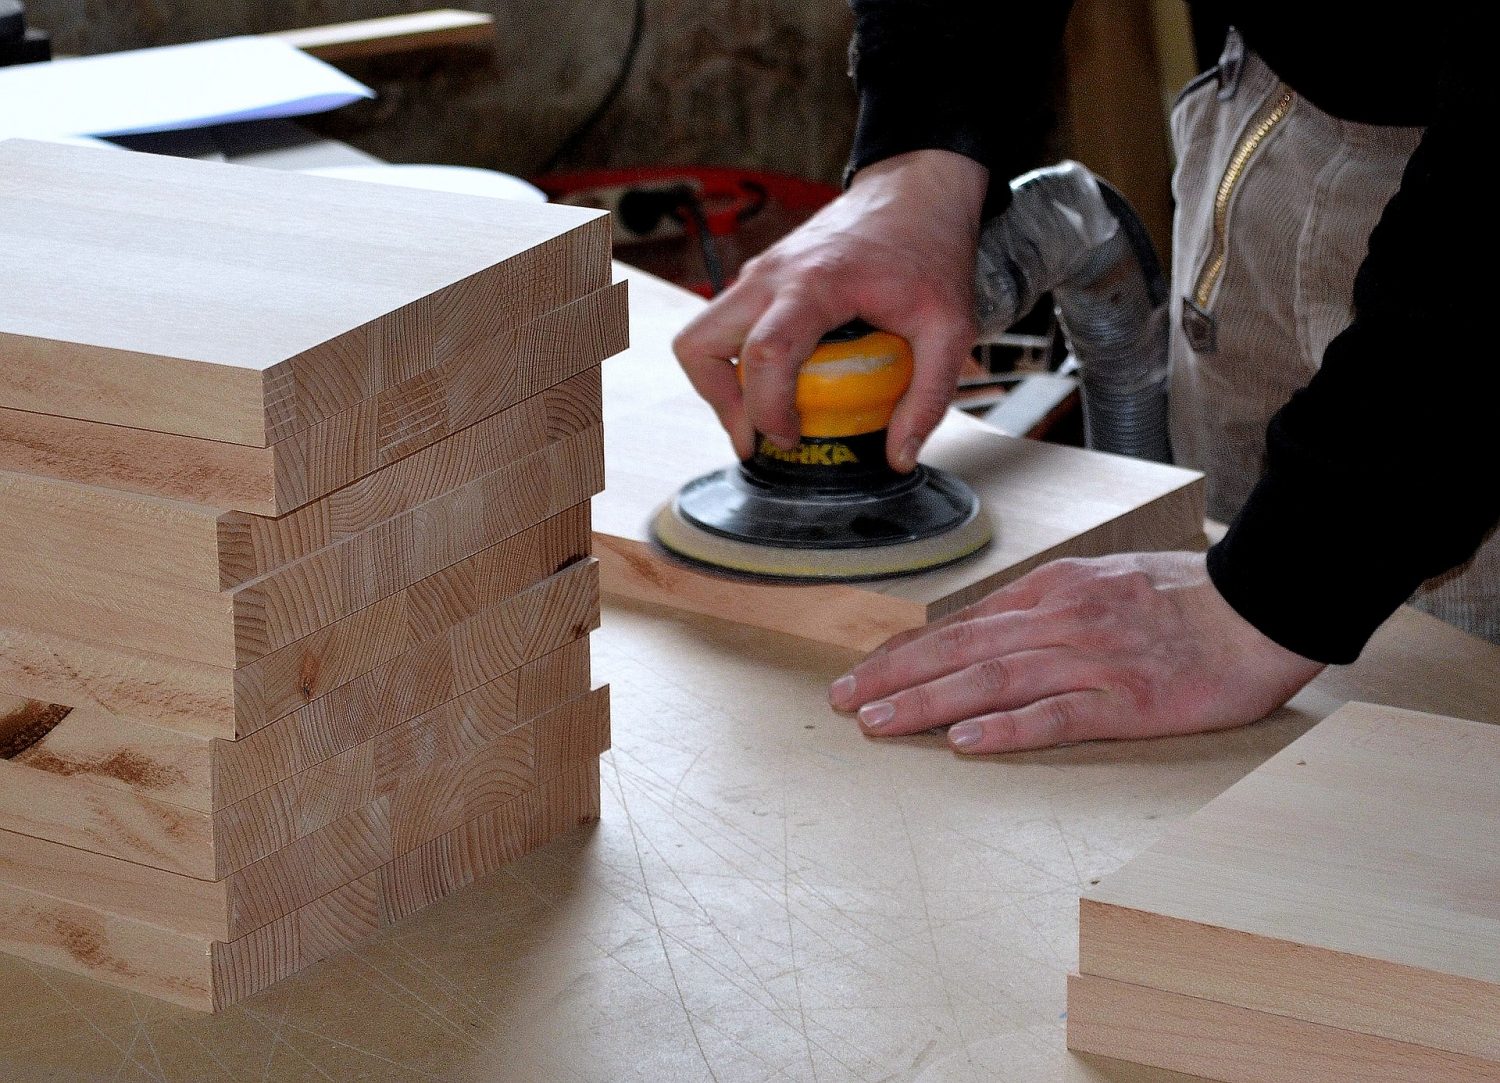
627	65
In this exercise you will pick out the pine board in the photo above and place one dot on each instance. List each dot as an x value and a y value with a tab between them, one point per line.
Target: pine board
473	775
484	638
207	774
213	549
244	305
234	628
1216	1041
336	451
1046	501
201	973
1349	882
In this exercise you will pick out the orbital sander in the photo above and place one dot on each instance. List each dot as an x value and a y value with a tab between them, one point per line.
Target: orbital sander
832	508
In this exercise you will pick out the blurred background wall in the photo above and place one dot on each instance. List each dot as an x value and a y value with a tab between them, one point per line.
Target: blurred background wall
757	83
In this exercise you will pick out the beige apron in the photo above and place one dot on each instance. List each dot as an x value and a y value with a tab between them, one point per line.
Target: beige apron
1275	204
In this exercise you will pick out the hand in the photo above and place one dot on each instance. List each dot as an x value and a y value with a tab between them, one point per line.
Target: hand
1135	645
897	249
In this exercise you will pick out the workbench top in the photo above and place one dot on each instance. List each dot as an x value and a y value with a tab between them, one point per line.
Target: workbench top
769	896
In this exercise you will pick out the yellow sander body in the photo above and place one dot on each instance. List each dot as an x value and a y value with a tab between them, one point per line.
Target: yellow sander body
831	508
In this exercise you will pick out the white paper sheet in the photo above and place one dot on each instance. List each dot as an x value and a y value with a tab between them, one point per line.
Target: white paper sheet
170	88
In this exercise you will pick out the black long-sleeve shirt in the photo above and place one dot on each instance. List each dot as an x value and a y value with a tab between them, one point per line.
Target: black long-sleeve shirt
1382	472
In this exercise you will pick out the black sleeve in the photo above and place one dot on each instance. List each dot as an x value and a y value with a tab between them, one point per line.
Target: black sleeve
1382	471
970	76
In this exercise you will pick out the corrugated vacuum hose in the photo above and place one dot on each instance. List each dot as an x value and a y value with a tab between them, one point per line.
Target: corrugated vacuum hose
1070	233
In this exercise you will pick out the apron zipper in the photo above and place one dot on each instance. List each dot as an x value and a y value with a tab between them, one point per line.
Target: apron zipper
1271	115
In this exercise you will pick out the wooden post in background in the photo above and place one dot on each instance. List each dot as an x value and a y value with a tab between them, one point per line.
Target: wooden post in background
1112	113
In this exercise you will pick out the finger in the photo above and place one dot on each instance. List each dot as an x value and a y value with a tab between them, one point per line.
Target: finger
1025	593
938	351
1063	719
706	348
774	350
947	650
1005	683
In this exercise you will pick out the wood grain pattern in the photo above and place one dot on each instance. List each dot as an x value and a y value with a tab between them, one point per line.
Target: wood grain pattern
1348	882
236	627
243	305
333	452
409	687
1217	1041
123	754
440	770
203	973
1047	501
211	549
229	703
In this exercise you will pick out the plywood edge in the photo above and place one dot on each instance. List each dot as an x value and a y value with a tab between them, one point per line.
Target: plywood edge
832	613
1218	1041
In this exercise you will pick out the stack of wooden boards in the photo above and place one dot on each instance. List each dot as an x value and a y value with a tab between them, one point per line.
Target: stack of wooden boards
1334	916
295	476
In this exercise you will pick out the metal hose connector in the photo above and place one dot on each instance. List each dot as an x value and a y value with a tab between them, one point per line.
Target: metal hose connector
1068	232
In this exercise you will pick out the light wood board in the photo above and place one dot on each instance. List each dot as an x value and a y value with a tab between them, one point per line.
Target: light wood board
1349	882
243	305
1046	502
465	772
207	975
1217	1041
207	774
212	549
485	638
364	38
233	628
333	452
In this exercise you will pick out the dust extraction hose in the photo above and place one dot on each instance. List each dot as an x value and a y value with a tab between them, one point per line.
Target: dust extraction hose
1069	232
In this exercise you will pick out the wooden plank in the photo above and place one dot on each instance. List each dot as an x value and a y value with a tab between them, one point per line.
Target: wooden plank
440	769
198	972
443	796
1348	882
1046	501
236	627
413	685
244	305
1218	1041
231	703
392	34
467	744
211	549
333	452
120	753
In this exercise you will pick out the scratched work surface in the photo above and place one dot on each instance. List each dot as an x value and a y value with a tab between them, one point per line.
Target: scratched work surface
770	896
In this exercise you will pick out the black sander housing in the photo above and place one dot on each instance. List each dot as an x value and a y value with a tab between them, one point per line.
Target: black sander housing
832	508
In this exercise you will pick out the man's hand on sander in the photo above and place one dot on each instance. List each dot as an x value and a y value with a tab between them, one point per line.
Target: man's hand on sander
1135	645
897	250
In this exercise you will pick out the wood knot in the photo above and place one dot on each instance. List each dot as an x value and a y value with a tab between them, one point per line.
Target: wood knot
24	726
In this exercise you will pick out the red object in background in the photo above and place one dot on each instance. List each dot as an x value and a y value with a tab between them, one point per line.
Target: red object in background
693	225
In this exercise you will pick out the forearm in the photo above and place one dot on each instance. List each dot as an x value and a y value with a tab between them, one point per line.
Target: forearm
967	76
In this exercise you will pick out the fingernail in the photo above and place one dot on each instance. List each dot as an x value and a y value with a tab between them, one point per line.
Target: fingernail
965	735
842	690
908	457
876	715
